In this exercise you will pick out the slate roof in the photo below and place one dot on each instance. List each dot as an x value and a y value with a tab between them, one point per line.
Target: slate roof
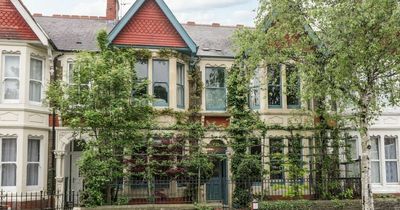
75	34
213	41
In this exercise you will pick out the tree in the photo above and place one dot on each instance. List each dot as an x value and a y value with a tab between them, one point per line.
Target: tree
104	101
346	51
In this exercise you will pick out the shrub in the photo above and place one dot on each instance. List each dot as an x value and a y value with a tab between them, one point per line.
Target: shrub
286	205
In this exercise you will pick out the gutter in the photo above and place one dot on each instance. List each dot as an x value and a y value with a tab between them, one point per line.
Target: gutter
53	146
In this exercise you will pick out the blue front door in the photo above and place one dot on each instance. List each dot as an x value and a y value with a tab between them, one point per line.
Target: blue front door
216	188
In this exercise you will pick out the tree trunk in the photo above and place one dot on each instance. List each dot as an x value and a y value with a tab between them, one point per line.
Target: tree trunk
367	197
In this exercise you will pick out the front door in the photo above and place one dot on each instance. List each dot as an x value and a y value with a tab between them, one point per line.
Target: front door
216	187
76	179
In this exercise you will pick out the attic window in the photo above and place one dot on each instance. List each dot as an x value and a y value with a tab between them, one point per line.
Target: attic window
218	50
206	49
78	42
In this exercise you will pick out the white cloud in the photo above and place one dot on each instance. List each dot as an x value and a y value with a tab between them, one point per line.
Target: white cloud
226	12
184	5
89	7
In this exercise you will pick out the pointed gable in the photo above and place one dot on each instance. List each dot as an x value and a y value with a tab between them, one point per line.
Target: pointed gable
151	23
13	24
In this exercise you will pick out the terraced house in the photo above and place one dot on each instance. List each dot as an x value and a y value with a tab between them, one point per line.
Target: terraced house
34	47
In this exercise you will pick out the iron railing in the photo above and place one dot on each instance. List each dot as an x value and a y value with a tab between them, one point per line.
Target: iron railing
189	191
38	201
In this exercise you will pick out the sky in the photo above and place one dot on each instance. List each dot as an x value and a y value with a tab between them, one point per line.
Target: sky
225	12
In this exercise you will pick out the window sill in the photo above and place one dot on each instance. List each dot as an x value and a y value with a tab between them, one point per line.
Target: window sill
294	107
274	107
8	189
8	101
34	103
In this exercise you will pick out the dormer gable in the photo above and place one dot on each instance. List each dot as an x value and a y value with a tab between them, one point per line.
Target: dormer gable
16	23
150	23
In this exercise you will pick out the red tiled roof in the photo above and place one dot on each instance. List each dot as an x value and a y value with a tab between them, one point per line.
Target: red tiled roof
12	24
150	27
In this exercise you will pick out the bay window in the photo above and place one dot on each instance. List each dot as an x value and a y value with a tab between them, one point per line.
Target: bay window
274	86
180	86
161	83
11	77
35	81
32	178
8	162
391	159
293	87
215	89
254	97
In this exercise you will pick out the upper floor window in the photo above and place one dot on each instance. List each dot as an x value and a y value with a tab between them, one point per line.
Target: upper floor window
293	87
254	97
161	82
180	85
11	77
8	162
274	86
141	69
71	66
35	80
32	177
215	89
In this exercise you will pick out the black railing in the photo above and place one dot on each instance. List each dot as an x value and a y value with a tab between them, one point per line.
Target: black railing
285	189
38	201
190	191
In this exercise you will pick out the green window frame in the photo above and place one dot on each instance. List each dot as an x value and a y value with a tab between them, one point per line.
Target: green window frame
274	86
293	87
215	89
180	85
142	74
161	83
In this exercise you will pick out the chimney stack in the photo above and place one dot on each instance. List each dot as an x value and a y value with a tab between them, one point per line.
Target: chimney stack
112	9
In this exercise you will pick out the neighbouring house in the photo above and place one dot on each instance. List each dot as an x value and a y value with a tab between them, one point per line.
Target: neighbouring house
34	47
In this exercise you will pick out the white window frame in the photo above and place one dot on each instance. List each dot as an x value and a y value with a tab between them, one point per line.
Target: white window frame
384	160
255	90
33	80
352	160
11	101
35	187
69	63
8	188
381	171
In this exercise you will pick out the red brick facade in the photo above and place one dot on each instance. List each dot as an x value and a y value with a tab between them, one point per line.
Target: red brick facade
150	27
112	9
12	24
219	121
